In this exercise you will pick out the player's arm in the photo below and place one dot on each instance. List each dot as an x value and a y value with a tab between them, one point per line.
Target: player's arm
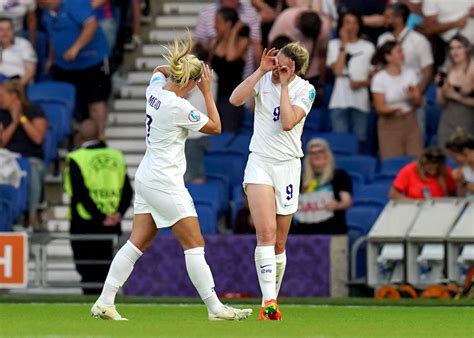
245	90
290	115
213	126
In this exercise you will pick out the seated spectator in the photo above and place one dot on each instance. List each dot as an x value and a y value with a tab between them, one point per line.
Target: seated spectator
205	30
349	58
326	195
313	30
396	96
428	177
79	55
455	92
18	58
17	11
23	127
465	174
227	58
455	146
445	19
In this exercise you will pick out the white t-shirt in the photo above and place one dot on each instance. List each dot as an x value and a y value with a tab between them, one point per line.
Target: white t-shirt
416	48
269	139
468	174
14	58
169	119
448	11
16	10
356	69
395	87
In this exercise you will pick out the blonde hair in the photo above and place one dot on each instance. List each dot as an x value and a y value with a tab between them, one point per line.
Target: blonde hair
328	171
14	86
296	52
184	66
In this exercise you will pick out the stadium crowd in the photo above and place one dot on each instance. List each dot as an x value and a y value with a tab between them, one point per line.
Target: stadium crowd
393	116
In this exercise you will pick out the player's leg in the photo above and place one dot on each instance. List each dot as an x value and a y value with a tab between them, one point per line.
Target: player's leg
143	233
189	235
283	227
261	199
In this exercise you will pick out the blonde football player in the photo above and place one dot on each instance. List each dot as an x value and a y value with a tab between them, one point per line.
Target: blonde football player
161	199
272	176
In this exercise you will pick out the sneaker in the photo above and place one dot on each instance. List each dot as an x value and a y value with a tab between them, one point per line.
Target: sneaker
102	311
270	311
230	313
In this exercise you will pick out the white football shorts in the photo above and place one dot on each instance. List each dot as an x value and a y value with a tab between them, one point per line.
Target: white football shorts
283	176
166	207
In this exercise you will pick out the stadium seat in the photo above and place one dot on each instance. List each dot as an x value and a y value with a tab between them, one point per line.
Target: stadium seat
6	214
373	192
375	204
354	232
240	144
433	115
392	166
207	217
207	192
227	163
222	182
364	216
237	201
10	194
357	181
384	179
247	125
220	142
58	118
317	121
340	143
50	145
362	164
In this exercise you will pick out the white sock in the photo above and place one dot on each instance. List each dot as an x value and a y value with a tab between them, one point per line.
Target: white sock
266	270
119	271
280	270
201	277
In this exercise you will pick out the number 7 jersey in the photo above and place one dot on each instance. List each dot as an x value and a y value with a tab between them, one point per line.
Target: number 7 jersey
269	139
168	120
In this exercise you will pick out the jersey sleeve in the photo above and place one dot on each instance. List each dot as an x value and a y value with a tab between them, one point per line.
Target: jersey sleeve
189	117
377	85
305	98
158	79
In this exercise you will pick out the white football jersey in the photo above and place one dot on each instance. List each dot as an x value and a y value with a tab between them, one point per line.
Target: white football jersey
269	139
168	120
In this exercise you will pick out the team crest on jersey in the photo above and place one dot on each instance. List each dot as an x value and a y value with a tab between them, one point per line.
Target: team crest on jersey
194	116
312	94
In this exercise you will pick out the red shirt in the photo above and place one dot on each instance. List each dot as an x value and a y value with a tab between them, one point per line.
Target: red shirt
410	183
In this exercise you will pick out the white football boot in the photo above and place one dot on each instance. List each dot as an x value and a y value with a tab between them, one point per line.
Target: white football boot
230	313
102	311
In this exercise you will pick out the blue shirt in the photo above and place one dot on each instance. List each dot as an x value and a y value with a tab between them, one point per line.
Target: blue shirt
65	26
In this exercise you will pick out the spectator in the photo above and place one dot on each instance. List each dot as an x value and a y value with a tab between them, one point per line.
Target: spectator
446	19
103	10
23	127
133	39
205	30
455	92
197	142
17	11
313	30
396	95
228	53
455	146
268	10
349	58
372	15
416	48
80	55
467	172
96	180
325	197
17	56
428	177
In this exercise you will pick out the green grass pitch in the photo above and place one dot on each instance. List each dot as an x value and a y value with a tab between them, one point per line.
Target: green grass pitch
155	319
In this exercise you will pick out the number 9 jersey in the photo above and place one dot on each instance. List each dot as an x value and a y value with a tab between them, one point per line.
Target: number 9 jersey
169	119
269	139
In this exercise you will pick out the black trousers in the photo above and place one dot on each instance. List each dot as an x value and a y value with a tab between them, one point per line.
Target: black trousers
92	250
